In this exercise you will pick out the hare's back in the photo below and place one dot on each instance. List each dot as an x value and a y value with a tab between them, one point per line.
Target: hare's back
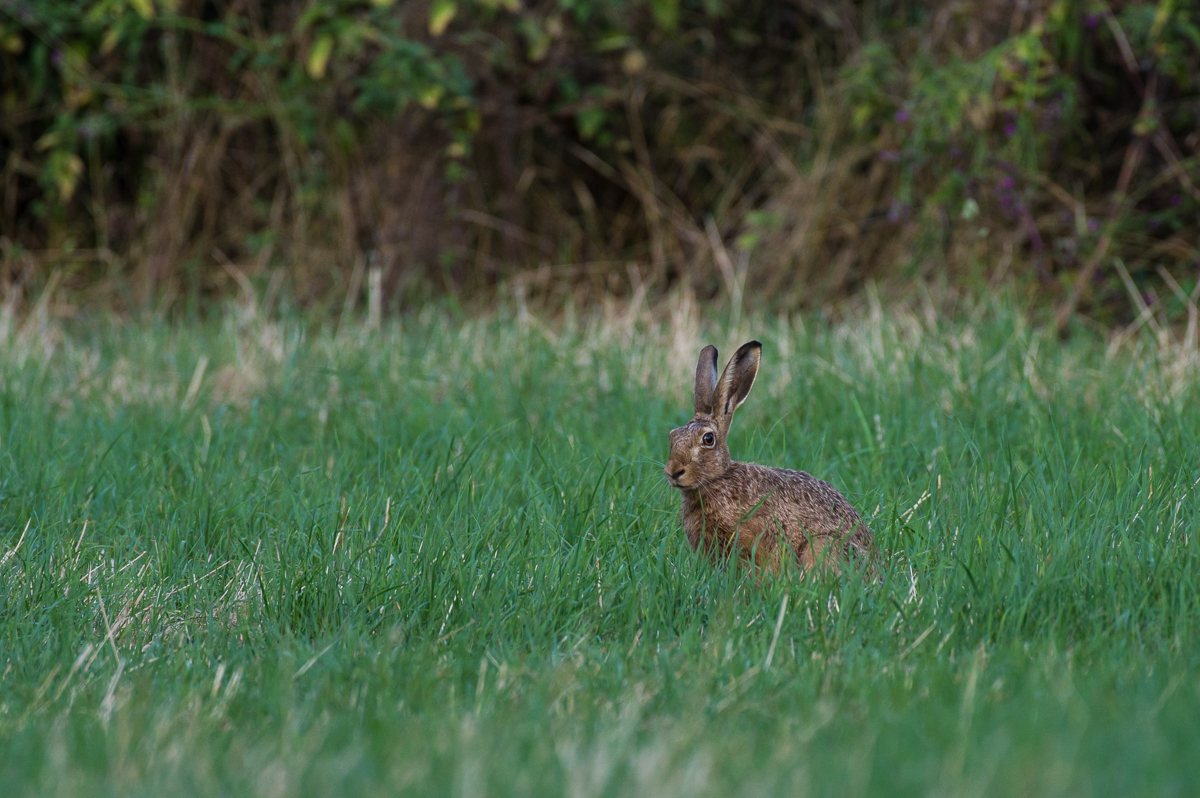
811	505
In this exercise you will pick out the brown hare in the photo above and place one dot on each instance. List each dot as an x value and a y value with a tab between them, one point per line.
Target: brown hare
750	510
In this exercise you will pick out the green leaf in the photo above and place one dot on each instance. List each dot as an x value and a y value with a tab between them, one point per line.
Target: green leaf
1145	125
112	37
537	41
616	42
440	15
862	115
64	168
430	96
47	141
666	13
747	241
144	8
589	121
318	56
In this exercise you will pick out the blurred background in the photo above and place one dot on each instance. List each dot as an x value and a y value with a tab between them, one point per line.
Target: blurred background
783	153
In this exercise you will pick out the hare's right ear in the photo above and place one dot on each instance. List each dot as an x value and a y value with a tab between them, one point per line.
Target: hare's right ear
705	387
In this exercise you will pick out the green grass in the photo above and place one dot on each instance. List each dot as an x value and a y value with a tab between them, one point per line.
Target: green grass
252	558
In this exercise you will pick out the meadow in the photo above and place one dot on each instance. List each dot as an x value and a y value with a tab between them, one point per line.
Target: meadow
261	555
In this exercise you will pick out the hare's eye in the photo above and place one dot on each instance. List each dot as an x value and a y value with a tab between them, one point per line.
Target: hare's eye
708	439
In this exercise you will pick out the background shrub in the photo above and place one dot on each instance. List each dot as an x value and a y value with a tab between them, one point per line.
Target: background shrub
168	148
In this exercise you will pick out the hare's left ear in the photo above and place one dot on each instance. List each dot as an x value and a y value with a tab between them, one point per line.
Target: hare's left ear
737	380
706	381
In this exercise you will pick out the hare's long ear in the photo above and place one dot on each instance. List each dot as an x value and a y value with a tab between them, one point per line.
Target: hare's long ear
706	380
736	381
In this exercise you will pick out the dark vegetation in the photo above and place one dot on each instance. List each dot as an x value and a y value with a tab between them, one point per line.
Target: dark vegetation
173	149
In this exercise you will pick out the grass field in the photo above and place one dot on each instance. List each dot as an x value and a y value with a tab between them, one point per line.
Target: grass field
252	557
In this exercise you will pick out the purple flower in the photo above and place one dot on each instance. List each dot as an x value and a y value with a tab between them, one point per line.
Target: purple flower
1010	129
1153	224
1093	225
1177	199
1006	193
889	156
1091	20
902	116
56	57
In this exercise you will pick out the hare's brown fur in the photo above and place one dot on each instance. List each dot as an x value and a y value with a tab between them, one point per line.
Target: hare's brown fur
748	510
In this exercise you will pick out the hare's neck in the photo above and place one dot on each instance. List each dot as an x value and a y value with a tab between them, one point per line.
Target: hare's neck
691	499
710	496
723	495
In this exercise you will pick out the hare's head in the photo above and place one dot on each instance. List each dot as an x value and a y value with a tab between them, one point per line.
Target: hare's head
699	453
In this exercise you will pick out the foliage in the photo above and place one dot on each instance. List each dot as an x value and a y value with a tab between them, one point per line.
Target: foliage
457	144
258	557
1012	126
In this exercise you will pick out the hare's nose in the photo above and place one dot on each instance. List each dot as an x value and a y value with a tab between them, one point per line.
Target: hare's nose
678	473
